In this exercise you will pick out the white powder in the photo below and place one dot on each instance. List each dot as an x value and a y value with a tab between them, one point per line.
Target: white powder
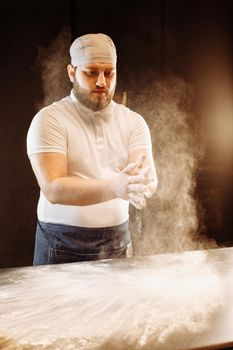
141	304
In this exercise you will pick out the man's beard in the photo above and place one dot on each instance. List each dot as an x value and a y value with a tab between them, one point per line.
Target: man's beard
91	100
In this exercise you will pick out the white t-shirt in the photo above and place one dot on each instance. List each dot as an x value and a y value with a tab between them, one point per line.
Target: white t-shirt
96	145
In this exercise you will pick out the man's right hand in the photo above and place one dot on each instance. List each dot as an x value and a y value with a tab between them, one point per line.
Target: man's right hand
131	184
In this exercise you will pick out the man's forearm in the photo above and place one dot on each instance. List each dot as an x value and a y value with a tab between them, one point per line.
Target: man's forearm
71	190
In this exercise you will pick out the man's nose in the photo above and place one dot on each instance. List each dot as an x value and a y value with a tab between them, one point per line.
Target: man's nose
101	81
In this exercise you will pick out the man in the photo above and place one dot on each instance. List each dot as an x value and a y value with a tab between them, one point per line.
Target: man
91	157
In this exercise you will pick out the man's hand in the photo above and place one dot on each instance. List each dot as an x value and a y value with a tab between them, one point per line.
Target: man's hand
131	183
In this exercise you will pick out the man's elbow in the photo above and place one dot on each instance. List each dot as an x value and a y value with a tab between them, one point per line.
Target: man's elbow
52	197
52	192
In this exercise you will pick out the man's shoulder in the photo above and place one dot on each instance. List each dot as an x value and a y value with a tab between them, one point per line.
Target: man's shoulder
56	112
53	114
56	106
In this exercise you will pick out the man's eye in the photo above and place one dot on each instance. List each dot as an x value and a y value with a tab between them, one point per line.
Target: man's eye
108	74
91	73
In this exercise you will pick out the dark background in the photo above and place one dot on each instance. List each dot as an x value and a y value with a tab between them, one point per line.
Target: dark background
162	36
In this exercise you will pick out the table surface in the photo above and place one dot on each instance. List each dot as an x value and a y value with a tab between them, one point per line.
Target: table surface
36	302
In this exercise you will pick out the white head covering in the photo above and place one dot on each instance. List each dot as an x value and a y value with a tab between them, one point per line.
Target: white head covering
92	48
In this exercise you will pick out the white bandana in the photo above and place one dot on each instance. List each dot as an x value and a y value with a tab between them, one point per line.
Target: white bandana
92	48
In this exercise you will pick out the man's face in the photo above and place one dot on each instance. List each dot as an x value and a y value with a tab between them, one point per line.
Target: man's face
94	84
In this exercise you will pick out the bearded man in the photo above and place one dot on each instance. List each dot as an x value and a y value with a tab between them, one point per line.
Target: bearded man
91	158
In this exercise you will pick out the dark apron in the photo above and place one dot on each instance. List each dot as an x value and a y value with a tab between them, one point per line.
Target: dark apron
57	243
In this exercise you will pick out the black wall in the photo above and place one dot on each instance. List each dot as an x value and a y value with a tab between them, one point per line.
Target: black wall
25	25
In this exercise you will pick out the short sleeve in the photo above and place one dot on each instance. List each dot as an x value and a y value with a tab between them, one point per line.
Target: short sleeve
139	137
46	134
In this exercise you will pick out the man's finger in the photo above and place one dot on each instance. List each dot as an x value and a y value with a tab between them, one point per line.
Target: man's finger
137	188
145	171
129	167
139	198
147	194
134	203
137	164
139	179
135	179
140	160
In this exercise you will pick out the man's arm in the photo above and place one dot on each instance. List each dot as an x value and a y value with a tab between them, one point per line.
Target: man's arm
148	162
145	167
51	171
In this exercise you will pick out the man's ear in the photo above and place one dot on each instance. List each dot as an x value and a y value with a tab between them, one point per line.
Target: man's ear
71	72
